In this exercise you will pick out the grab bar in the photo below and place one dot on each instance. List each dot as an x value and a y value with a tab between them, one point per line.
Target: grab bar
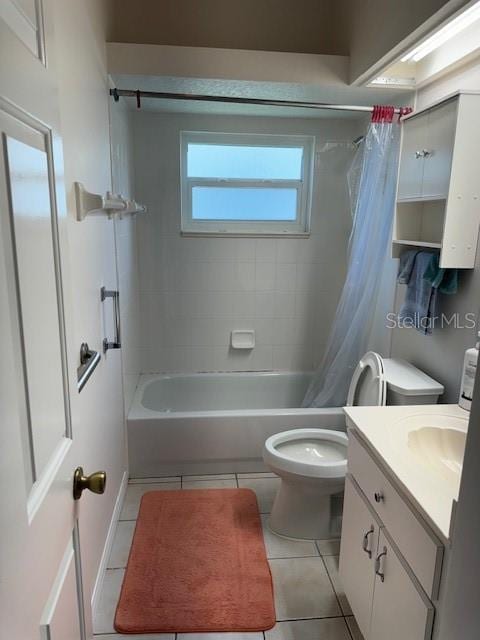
116	343
89	360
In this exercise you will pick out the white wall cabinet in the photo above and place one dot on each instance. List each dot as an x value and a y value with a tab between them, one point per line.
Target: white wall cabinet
385	595
438	198
427	150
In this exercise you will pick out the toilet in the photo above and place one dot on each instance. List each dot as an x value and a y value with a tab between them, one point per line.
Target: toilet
312	463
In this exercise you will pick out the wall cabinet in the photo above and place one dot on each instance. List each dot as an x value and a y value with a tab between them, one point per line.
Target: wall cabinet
438	198
427	150
382	588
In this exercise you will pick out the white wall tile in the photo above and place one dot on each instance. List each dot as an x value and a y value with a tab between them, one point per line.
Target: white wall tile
195	291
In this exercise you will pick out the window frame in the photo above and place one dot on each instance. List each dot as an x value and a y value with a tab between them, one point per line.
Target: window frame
304	186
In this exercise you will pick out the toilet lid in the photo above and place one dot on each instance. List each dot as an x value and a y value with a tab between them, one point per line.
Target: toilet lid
368	386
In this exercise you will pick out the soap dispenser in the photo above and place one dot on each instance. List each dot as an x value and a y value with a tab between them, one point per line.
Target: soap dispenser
468	376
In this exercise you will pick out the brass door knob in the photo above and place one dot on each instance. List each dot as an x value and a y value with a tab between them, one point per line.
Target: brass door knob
95	482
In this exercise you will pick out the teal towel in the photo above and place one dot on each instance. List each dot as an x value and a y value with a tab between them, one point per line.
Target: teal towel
444	280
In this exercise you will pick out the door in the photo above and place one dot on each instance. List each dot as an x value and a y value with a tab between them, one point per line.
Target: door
360	532
414	141
400	608
439	150
40	587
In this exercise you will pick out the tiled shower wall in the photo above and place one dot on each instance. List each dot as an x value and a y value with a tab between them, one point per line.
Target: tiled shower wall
126	246
195	291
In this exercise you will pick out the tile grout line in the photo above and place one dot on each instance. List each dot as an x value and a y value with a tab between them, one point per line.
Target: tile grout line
334	590
348	628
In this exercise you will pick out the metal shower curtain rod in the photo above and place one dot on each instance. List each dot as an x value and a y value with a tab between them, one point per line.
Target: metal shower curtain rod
165	95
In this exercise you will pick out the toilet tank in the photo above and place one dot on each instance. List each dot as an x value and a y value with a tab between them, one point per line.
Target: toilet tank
408	385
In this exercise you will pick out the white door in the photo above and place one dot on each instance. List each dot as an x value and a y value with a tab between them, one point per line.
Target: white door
40	577
360	532
400	608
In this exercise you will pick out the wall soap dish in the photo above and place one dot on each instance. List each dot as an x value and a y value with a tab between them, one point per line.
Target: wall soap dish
243	339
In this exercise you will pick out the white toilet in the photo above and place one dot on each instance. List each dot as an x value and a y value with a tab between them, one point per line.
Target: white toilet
312	463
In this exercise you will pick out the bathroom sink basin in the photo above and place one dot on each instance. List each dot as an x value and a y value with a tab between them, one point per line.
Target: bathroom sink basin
437	442
441	449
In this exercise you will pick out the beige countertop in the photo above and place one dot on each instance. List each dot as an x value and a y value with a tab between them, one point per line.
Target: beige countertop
422	465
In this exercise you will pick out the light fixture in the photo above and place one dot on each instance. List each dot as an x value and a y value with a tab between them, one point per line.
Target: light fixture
455	26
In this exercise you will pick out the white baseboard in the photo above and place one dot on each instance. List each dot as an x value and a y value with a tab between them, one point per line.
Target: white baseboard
97	589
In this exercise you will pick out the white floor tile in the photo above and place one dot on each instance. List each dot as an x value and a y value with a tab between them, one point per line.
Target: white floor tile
329	547
220	636
265	489
121	544
278	547
154	480
354	630
302	589
257	474
107	605
210	484
331	562
134	495
326	629
218	476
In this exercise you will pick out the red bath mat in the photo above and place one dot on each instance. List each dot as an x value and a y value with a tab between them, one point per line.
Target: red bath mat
197	564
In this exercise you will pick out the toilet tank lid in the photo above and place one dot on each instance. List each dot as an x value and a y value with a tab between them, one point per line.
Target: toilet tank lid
403	377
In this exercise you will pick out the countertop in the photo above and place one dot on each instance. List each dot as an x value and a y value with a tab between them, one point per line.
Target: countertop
386	431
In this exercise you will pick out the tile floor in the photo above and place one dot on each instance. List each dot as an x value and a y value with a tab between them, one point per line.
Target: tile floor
309	599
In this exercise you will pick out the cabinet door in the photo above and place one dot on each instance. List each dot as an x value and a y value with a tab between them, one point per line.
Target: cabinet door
358	550
400	608
439	150
411	161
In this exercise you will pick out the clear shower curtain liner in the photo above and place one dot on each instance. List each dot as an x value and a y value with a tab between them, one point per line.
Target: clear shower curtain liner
367	254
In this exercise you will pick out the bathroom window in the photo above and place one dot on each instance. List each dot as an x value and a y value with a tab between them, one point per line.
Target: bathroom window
246	183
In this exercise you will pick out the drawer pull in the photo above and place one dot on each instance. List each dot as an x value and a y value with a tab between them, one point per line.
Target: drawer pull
379	497
365	541
378	561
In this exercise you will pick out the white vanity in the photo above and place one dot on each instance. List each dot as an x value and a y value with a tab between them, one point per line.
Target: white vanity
404	467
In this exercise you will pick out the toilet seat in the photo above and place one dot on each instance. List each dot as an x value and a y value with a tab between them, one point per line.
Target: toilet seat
314	453
368	386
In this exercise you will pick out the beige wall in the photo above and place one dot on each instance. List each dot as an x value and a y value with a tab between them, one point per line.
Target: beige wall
377	26
304	26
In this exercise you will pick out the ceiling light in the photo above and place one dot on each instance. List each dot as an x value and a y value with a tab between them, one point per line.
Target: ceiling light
444	34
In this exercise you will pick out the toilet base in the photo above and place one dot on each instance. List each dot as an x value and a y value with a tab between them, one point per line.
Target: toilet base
303	510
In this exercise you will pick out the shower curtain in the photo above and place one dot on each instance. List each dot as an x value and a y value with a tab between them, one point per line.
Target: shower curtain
367	256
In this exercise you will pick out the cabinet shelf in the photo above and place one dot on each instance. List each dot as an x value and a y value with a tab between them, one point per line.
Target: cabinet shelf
438	199
418	243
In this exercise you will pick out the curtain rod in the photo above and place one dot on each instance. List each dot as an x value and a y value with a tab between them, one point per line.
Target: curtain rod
165	95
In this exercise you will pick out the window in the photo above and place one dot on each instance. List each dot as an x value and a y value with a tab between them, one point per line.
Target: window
246	183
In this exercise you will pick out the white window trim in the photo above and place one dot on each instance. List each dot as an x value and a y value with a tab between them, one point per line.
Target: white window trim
304	186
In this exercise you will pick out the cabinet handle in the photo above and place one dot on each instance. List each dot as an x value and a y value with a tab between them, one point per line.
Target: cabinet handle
378	559
424	153
379	497
365	541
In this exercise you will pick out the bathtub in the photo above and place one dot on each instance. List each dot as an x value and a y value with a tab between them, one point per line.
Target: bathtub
209	423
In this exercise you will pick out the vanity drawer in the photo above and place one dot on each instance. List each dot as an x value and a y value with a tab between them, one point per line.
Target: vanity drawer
416	541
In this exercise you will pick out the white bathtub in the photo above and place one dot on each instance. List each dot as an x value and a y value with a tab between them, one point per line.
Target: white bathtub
215	422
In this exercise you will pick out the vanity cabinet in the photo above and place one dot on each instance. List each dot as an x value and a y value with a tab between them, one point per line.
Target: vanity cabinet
390	596
438	195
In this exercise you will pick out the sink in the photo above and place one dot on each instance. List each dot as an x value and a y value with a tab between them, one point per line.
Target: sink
440	449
